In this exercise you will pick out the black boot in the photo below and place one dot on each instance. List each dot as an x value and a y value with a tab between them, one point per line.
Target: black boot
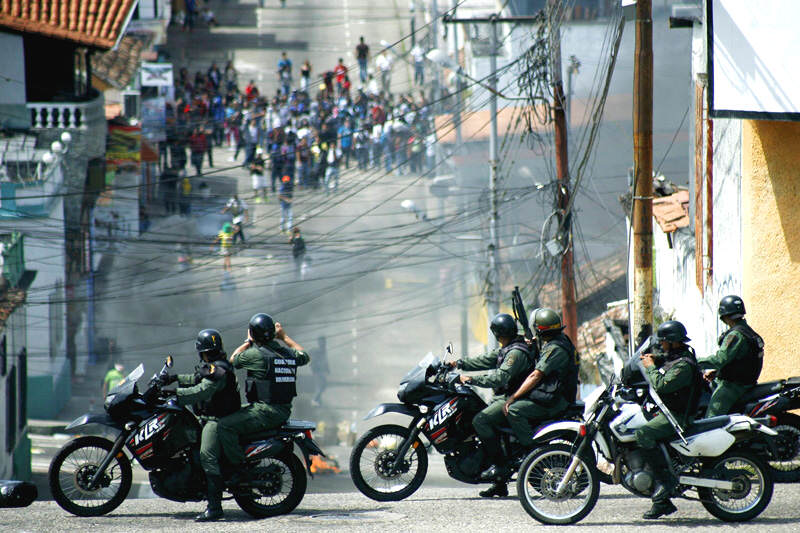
495	472
660	508
213	511
498	489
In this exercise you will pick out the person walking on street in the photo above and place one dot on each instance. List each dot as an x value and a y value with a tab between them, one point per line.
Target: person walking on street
305	75
257	177
285	73
285	196
736	366
225	240
271	385
332	169
298	252
239	216
340	71
213	392
418	56
112	378
345	135
384	64
362	56
320	369
198	146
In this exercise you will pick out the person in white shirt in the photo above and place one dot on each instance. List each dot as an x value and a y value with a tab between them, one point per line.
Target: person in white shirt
419	64
384	64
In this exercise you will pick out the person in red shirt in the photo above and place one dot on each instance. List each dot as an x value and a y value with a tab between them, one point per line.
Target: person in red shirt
251	91
340	71
198	145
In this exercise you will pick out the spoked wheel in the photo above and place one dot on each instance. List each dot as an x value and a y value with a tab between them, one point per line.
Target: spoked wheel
277	486
786	469
74	467
372	464
539	479
752	487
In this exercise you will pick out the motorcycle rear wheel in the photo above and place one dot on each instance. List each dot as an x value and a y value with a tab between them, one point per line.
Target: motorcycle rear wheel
75	464
370	463
540	475
787	469
748	472
280	473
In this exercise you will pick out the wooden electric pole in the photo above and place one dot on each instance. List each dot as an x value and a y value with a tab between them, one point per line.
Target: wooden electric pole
568	306
642	320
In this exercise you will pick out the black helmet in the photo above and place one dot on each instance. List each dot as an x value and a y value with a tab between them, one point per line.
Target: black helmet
208	340
546	320
503	325
672	330
262	328
731	306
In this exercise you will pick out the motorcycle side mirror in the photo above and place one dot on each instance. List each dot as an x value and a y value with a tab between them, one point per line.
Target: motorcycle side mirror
168	361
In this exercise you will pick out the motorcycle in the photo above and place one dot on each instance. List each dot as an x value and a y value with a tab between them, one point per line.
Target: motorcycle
559	483
389	462
91	475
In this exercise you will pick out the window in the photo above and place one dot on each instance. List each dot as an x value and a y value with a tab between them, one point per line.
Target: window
11	411
3	356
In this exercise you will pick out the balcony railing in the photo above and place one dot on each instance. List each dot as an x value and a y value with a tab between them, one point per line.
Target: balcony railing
67	115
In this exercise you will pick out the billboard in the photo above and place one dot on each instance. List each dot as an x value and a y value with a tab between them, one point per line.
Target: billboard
752	47
156	74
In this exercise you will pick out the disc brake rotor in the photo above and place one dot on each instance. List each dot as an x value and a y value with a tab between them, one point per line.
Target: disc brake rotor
84	476
384	464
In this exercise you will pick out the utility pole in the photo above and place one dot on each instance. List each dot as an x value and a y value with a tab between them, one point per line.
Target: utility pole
568	306
493	247
642	319
413	24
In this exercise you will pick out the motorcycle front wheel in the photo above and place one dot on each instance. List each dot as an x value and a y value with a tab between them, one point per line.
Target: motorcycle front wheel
372	460
786	468
540	476
278	486
752	487
72	470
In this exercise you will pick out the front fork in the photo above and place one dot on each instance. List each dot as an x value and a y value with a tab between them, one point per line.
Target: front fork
576	461
118	444
416	426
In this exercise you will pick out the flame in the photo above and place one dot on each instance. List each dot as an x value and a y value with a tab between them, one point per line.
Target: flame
320	466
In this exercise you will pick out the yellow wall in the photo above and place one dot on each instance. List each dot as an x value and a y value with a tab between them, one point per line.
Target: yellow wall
771	240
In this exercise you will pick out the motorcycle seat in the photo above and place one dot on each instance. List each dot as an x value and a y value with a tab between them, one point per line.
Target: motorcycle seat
290	426
760	390
707	424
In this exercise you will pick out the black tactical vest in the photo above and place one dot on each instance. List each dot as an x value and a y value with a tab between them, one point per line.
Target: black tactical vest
226	400
280	385
515	381
682	402
746	369
558	384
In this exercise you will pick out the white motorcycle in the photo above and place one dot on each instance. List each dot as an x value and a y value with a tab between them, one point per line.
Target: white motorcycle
560	483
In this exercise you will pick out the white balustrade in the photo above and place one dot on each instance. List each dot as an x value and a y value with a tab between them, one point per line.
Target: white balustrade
67	115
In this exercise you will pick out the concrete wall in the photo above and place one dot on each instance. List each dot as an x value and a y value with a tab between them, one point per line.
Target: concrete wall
771	239
13	112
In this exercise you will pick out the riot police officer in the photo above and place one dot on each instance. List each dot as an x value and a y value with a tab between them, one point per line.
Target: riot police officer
507	367
270	387
676	378
214	393
736	366
553	384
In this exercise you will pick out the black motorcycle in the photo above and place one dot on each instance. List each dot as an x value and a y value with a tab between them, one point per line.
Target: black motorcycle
389	462
91	476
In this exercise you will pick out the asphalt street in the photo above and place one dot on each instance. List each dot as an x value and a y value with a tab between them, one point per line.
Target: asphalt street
430	509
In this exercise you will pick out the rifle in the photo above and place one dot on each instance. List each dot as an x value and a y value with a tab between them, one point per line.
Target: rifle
519	312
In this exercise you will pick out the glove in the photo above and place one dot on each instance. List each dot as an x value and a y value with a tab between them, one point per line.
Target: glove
167	379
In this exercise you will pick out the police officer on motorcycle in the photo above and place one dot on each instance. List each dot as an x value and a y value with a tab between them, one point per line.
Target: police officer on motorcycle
676	378
214	393
736	366
270	387
507	367
553	384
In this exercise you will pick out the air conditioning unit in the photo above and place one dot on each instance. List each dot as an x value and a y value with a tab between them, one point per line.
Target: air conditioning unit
131	104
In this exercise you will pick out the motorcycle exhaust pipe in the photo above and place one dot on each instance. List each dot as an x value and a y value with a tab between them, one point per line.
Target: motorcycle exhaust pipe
703	482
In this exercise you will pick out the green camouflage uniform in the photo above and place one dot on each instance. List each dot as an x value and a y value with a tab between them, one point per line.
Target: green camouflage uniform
257	416
190	393
515	365
553	358
677	378
734	346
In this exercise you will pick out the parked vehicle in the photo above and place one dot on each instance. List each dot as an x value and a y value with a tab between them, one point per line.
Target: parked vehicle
559	483
389	462
91	476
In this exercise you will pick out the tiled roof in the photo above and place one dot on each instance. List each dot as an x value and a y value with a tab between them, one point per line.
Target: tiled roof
96	23
117	67
672	212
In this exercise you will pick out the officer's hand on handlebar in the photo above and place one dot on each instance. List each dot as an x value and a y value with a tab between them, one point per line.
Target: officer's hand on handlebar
464	379
167	379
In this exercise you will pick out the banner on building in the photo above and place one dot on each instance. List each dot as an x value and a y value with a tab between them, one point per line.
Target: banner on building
157	74
154	119
124	146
